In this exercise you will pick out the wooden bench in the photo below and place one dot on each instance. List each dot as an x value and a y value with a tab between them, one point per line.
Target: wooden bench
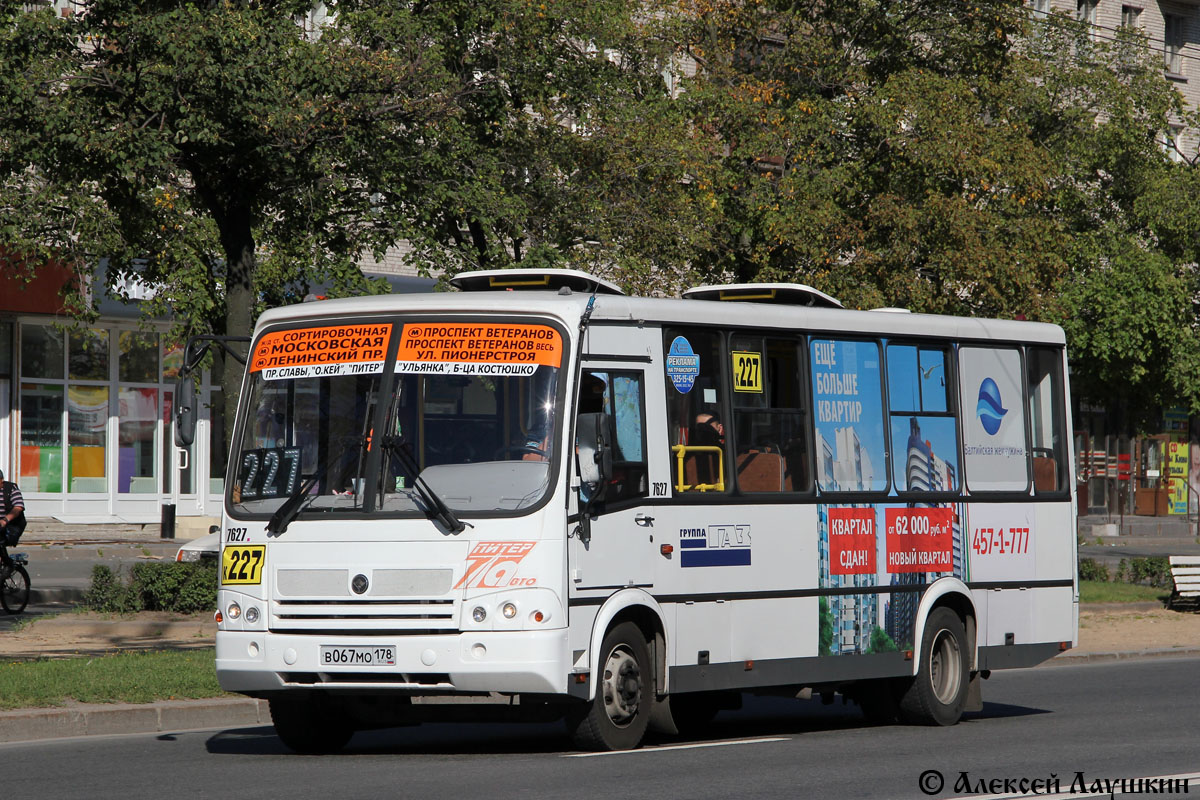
1185	575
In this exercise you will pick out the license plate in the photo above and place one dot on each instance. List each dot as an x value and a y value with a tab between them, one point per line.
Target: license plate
358	656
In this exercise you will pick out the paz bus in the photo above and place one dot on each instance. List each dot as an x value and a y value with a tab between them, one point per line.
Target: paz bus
560	501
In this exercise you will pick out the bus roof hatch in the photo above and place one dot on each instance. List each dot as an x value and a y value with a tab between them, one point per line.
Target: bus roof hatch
784	294
543	280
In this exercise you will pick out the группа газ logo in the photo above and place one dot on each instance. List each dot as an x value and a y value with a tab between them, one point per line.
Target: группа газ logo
990	410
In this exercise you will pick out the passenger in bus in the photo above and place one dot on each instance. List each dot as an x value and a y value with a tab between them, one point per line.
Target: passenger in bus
708	431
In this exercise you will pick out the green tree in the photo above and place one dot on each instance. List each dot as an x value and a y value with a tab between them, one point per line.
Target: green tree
952	158
232	157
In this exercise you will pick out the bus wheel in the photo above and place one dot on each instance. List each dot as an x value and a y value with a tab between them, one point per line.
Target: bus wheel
616	718
938	692
308	726
877	699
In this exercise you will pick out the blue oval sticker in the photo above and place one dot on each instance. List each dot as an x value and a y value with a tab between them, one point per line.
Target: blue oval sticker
683	365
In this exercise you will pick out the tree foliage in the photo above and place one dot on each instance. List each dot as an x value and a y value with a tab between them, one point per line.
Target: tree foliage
955	158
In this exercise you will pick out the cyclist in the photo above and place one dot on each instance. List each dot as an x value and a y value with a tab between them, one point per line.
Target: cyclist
12	516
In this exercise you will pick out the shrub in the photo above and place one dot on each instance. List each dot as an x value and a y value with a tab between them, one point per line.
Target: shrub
1092	570
1151	571
108	594
180	587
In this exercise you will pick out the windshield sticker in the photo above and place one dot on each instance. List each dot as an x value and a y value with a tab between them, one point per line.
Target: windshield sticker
321	352
463	349
683	365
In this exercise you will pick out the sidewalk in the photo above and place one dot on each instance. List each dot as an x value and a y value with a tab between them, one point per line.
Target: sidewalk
1138	537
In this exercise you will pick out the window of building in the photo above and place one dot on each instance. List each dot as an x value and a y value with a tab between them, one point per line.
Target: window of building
1085	11
1041	9
770	418
1131	17
1173	39
848	415
924	427
696	412
1172	143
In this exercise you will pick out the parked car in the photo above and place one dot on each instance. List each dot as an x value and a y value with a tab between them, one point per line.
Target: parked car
202	549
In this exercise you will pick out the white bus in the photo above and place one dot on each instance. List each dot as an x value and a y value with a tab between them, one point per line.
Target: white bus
537	495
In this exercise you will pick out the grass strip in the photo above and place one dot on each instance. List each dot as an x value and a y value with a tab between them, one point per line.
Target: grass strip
133	677
1110	592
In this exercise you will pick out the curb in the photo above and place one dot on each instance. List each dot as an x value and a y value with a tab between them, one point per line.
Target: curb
34	724
1073	659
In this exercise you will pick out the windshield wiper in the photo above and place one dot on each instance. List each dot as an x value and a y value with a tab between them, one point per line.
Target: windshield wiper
436	508
291	508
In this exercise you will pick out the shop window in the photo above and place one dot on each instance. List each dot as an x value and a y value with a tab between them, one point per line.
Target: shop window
137	357
41	438
87	438
137	418
41	352
88	351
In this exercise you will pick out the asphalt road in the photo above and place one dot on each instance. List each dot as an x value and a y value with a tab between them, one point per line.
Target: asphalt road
1133	719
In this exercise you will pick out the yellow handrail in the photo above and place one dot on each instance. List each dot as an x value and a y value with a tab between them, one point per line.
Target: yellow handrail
681	450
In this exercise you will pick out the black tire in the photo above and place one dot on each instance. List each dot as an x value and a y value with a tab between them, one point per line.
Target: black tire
937	694
14	594
877	700
616	718
310	726
692	713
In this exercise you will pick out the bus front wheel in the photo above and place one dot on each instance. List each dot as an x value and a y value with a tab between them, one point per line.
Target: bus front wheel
938	692
309	725
616	718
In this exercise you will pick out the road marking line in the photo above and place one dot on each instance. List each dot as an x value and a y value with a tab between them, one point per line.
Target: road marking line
1189	776
677	747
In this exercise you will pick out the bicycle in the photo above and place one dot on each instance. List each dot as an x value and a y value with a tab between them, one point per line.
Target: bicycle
14	581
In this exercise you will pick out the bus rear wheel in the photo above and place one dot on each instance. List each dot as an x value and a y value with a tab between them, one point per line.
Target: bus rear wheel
309	725
937	694
616	718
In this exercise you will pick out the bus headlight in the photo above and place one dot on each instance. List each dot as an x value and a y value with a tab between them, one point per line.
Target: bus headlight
479	614
252	615
234	611
509	610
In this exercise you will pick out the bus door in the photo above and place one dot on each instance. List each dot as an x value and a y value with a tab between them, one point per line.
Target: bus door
616	548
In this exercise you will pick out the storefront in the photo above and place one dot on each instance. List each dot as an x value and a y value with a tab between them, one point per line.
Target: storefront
86	414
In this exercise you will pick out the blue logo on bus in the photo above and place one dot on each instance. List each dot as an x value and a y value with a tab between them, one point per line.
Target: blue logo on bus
990	410
683	365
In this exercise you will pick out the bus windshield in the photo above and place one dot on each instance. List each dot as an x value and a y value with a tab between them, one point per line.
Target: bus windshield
335	429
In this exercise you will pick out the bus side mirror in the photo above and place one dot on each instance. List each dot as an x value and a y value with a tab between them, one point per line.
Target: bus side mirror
594	447
185	411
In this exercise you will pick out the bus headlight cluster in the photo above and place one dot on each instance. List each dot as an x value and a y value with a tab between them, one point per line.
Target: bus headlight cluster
512	610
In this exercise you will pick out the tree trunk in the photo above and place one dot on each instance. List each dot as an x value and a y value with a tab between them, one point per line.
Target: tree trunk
237	237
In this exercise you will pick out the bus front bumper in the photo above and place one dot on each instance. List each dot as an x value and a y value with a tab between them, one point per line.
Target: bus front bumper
486	661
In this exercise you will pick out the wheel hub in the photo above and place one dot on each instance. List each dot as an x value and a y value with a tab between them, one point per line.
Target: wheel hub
622	687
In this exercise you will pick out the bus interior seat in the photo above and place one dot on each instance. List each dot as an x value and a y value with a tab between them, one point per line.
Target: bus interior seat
760	470
1045	474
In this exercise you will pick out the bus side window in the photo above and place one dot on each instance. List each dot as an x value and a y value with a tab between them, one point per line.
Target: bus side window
769	415
696	413
620	394
1047	437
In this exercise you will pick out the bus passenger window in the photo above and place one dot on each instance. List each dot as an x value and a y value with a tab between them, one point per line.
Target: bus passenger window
924	429
1044	368
848	411
696	410
770	439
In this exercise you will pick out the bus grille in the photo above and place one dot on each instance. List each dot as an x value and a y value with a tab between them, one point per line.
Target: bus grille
396	602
